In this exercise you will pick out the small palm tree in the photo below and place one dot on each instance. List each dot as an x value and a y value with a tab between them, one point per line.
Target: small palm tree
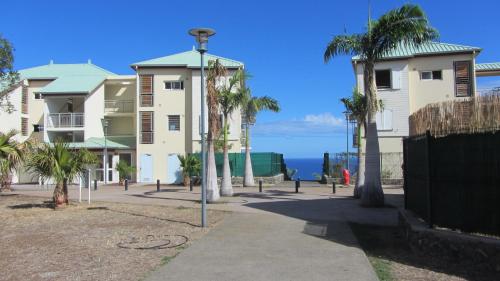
232	96
58	162
191	166
408	26
124	171
359	109
250	109
216	71
11	156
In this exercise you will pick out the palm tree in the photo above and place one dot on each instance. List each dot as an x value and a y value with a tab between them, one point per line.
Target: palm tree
408	26
124	171
231	96
216	72
250	109
191	166
58	162
358	107
11	156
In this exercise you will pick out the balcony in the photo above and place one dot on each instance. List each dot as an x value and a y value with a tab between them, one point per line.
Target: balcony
118	106
65	120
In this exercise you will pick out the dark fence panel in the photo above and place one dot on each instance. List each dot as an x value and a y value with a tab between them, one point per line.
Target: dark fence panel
264	164
464	181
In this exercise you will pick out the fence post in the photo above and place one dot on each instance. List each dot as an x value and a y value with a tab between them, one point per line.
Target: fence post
126	184
260	185
95	184
191	183
428	138
157	185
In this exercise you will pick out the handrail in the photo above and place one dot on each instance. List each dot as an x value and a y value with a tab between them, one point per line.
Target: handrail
65	120
118	106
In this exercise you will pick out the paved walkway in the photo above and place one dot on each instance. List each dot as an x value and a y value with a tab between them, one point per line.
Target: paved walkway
274	235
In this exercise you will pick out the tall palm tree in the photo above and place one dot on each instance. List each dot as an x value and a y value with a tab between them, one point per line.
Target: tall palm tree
216	72
11	156
408	26
58	162
250	110
358	107
231	96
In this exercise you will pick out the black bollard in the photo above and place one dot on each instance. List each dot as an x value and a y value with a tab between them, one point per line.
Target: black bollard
297	185
260	185
126	184
333	187
157	185
191	183
95	184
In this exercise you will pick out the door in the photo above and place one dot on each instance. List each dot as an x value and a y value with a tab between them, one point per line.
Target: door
174	173
146	168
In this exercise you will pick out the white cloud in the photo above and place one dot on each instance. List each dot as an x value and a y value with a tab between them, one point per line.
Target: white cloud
311	125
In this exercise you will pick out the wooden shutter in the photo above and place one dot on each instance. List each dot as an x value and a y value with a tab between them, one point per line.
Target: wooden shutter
24	126
146	84
24	100
147	126
463	79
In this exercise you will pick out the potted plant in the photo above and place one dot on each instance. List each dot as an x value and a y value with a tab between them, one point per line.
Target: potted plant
124	171
191	166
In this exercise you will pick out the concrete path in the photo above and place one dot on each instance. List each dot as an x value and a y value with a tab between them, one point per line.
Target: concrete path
253	247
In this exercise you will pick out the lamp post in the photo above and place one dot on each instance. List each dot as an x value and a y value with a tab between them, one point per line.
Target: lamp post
105	123
202	35
347	116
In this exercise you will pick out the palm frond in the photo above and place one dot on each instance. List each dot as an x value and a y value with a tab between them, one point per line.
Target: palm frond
343	45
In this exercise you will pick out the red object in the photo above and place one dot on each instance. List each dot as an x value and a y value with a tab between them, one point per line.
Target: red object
347	176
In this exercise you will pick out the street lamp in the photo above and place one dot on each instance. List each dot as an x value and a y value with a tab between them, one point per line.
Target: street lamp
202	35
347	117
105	124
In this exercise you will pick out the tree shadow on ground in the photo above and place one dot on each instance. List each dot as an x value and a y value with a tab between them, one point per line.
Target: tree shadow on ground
43	205
376	229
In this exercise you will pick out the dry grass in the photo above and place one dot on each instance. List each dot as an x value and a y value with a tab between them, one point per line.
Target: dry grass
96	242
470	115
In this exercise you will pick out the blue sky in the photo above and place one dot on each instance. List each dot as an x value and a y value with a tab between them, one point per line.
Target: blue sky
281	43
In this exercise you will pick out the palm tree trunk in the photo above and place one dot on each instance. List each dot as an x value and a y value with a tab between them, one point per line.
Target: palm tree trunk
248	179
226	185
372	194
360	178
212	188
59	197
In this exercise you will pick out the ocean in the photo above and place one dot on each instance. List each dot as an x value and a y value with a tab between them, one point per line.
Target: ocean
307	167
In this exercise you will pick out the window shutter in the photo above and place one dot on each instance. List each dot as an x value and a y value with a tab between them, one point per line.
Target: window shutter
146	84
24	100
147	126
378	119
463	78
396	79
387	119
24	126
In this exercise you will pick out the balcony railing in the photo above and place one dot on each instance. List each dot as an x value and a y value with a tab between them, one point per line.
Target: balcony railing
65	120
118	106
146	137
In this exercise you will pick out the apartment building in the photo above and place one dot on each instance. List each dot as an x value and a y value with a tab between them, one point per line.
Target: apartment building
146	119
408	78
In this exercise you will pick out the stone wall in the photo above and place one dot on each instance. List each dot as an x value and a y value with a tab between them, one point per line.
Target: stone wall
454	246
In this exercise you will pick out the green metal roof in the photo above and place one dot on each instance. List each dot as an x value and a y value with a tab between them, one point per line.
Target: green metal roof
189	59
492	66
112	142
68	78
431	48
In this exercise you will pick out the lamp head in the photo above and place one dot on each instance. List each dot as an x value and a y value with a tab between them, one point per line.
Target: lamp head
202	35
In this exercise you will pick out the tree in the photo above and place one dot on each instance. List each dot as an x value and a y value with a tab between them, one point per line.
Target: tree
8	77
250	109
124	170
60	163
358	107
232	95
406	26
216	72
11	156
191	166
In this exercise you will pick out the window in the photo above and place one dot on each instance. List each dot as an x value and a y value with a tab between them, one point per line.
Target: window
146	90
147	127
24	126
384	120
174	123
431	75
174	85
383	79
38	96
463	80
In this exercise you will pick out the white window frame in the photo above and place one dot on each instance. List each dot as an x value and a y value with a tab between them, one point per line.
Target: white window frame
432	75
172	83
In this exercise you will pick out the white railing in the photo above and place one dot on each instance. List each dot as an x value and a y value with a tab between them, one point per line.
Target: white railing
65	120
118	106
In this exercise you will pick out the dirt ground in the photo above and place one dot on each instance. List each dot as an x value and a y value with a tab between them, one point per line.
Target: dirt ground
393	259
101	241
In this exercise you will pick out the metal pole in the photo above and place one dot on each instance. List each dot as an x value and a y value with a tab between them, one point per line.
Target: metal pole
347	139
89	186
80	191
333	187
203	155
105	153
